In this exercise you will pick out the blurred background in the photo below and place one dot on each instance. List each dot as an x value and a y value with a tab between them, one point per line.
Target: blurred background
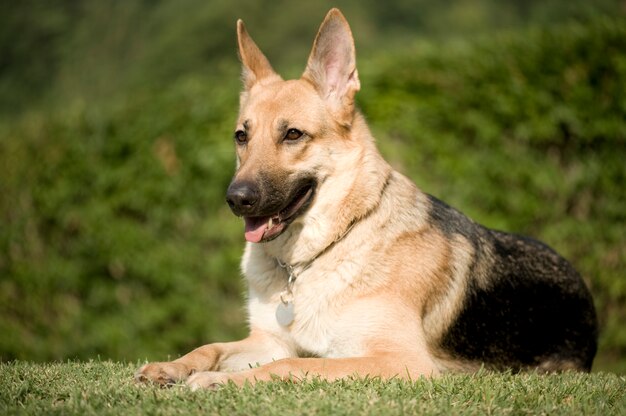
116	122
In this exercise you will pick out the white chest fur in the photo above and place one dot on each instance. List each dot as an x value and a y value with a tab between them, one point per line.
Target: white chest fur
326	316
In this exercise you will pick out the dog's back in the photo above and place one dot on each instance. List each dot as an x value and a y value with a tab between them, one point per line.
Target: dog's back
524	306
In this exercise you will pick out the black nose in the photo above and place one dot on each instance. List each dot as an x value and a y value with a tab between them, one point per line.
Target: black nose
242	197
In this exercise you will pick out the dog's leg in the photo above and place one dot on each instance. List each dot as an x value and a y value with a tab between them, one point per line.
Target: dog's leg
258	348
385	366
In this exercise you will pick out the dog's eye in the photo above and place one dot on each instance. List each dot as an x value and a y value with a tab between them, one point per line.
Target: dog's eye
293	134
241	137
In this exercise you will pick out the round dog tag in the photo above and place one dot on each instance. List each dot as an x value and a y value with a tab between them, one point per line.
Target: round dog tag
284	313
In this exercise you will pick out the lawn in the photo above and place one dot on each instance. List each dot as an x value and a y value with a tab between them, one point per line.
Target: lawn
106	387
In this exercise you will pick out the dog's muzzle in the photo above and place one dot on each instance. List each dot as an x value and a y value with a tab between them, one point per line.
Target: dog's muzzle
266	217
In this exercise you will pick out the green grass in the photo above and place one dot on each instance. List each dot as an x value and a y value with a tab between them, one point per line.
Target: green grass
105	387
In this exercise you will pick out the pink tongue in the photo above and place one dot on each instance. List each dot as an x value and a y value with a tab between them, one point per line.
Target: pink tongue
255	227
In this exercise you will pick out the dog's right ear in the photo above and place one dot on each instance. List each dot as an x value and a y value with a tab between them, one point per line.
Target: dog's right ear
256	67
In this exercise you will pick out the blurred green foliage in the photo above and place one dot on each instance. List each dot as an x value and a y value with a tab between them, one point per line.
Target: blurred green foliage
115	238
53	50
115	151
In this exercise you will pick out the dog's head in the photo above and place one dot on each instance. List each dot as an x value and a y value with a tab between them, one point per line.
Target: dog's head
287	131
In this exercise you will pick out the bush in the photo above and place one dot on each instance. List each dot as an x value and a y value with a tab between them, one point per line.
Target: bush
116	240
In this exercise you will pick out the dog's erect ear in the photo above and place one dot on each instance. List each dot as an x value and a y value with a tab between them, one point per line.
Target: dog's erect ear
256	67
332	65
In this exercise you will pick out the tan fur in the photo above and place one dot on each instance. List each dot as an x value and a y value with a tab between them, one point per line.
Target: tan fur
365	303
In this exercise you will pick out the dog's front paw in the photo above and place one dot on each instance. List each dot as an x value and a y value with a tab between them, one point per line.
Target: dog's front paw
207	380
164	373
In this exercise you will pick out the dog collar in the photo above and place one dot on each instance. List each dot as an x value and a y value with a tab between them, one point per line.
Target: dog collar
285	309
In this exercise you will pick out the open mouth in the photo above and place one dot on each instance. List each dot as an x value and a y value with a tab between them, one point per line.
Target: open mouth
261	229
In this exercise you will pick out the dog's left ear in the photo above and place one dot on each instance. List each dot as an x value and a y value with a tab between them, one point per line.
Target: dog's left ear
332	66
256	67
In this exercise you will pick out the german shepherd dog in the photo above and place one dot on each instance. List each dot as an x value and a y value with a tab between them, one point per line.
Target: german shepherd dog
352	271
